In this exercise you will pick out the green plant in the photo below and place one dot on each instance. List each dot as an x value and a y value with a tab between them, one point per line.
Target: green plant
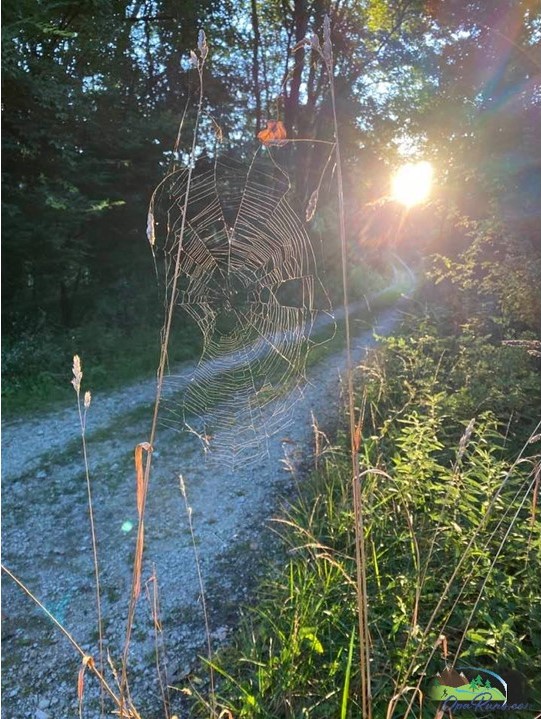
452	540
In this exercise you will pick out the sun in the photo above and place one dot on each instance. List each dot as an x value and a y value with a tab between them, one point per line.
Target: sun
411	183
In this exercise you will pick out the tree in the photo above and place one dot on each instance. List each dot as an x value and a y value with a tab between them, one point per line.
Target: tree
476	683
91	99
94	91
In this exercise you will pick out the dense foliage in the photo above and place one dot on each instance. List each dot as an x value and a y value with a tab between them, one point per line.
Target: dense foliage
92	96
450	439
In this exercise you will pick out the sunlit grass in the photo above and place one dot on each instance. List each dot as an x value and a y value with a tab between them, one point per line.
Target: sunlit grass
445	503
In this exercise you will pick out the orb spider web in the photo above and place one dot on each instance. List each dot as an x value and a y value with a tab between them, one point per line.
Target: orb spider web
247	277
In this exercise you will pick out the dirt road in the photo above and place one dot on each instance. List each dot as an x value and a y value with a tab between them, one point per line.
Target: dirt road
46	538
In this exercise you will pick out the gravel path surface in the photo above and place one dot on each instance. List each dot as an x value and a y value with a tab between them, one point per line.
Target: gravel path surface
46	539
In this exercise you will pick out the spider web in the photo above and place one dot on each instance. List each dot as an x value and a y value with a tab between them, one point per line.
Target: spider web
247	277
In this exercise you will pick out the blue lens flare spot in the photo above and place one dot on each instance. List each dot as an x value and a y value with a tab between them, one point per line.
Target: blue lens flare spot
127	526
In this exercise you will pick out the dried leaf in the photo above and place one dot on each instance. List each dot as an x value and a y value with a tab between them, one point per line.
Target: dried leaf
463	444
80	686
113	669
301	43
193	59
87	662
314	42
202	44
535	495
274	134
152	591
139	479
217	130
357	438
312	205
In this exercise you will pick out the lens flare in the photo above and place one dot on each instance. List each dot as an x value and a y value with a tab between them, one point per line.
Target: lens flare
411	183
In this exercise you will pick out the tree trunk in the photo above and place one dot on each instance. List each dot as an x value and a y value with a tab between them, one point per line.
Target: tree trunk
255	65
300	24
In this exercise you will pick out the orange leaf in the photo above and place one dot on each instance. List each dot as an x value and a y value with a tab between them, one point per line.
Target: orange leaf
87	662
274	134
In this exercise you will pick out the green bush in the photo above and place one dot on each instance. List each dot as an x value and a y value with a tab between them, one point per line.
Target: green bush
452	539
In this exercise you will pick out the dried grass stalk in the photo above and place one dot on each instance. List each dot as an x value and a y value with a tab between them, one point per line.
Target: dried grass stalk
138	561
139	476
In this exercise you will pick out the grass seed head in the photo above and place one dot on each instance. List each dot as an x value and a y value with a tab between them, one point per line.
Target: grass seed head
77	373
151	233
202	44
327	44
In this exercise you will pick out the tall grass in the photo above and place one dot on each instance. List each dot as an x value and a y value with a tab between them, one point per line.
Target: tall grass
325	50
453	544
82	409
119	690
199	63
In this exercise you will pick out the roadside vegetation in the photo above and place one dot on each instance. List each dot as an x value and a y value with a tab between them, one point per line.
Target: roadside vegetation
449	445
34	362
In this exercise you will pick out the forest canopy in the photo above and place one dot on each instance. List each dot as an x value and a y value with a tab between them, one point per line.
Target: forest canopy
93	93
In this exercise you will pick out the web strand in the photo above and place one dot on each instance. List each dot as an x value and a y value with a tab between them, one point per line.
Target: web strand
248	279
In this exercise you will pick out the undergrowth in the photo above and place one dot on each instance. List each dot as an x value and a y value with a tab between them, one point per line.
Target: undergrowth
453	540
34	364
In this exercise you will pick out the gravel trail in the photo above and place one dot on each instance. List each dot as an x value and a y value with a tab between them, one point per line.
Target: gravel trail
46	538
